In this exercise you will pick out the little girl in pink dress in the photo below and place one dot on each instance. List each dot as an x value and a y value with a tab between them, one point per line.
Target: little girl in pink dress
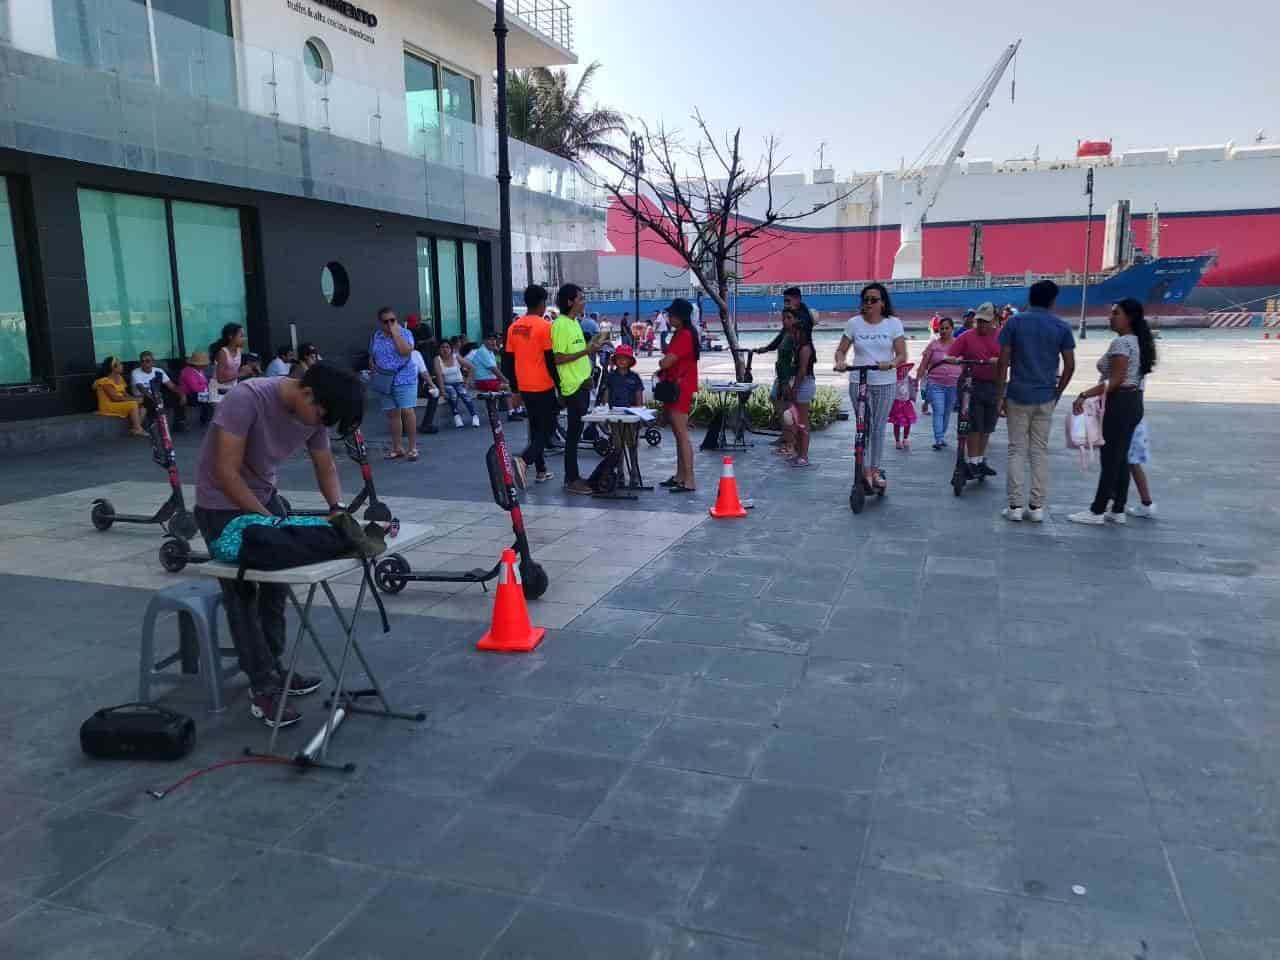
903	412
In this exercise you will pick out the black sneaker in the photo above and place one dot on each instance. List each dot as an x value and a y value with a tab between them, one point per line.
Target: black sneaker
985	469
263	706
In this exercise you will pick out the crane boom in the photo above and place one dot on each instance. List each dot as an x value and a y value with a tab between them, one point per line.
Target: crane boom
908	262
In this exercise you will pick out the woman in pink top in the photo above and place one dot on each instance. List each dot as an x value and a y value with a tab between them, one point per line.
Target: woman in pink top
938	380
192	382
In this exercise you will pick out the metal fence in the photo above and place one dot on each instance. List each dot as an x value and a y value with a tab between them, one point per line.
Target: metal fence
551	18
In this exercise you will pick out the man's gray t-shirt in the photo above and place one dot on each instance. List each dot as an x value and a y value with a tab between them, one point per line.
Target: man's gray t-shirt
255	410
1036	339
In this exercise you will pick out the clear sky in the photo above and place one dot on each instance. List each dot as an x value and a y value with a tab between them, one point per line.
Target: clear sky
877	81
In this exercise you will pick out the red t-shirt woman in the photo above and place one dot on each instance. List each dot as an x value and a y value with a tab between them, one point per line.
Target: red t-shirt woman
684	373
679	365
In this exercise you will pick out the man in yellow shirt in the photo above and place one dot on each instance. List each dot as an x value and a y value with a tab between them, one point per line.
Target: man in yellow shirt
573	356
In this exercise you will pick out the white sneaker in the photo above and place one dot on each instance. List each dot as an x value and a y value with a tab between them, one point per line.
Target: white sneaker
457	420
1014	514
1035	514
1141	510
475	420
1115	518
1088	517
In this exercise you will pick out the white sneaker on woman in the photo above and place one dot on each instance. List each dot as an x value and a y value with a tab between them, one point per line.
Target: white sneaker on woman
1115	518
475	420
457	420
1147	511
1088	517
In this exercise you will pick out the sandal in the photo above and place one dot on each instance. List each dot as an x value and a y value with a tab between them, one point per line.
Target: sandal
679	487
394	455
669	482
412	456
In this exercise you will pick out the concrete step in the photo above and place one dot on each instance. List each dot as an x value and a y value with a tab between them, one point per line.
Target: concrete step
57	433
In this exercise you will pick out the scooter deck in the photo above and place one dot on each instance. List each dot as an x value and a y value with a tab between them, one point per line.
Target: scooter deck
476	575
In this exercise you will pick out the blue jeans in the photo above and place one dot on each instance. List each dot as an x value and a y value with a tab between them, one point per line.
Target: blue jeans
942	400
456	393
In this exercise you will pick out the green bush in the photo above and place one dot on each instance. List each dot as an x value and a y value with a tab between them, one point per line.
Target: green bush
822	411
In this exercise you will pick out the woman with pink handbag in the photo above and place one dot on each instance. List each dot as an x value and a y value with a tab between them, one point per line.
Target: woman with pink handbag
1129	358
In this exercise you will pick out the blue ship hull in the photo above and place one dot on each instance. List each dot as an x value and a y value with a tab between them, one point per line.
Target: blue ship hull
1158	284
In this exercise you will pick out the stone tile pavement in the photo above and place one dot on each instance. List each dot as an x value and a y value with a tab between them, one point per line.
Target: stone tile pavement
918	733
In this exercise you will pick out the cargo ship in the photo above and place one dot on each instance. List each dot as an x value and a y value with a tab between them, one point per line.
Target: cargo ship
962	224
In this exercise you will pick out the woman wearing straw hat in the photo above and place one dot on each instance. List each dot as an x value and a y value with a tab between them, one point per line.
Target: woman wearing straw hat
194	385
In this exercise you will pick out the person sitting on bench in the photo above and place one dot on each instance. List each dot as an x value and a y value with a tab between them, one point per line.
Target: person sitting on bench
257	427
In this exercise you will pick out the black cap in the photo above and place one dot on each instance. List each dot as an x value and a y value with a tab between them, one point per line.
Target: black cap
682	308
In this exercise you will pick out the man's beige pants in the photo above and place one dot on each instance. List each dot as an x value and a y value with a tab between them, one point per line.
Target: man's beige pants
1029	426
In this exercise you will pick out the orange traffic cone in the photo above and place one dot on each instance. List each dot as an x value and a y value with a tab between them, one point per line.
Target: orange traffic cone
511	631
728	506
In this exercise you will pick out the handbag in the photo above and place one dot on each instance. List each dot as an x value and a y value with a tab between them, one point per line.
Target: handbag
383	381
1084	430
666	391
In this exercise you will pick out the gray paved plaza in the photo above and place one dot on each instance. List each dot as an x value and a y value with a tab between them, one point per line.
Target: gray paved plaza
918	733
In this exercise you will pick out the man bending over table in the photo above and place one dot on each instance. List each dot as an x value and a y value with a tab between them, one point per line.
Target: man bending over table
258	426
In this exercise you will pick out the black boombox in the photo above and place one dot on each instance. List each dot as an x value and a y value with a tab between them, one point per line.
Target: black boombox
138	731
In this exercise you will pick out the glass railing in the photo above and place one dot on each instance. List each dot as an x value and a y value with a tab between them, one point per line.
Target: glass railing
200	105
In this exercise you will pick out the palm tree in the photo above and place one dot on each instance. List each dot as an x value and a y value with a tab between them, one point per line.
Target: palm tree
543	111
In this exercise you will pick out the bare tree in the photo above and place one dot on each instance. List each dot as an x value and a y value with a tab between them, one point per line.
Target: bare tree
688	198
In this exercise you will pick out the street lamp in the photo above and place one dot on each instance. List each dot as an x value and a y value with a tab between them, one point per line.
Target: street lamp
637	168
1088	249
504	169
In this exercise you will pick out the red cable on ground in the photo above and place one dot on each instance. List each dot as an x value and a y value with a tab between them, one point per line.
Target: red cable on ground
161	794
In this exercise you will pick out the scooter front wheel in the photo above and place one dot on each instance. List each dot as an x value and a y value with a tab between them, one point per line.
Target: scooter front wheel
653	436
102	515
534	578
957	483
390	572
174	554
857	497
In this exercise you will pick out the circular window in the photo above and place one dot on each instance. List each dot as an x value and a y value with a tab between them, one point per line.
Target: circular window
316	60
334	283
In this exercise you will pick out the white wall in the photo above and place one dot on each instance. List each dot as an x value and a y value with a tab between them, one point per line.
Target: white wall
361	69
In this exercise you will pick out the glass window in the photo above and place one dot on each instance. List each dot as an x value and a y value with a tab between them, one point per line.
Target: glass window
105	37
15	350
450	301
471	286
422	104
194	48
126	255
207	240
316	61
426	295
458	99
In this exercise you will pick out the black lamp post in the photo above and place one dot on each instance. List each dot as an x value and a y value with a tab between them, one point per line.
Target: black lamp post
1088	252
504	169
637	167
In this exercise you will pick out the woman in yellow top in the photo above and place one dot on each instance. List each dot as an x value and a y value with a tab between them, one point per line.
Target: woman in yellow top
113	396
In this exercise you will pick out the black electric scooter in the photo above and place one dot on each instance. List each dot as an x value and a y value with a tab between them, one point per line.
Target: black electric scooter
393	572
176	552
861	489
359	454
173	517
963	473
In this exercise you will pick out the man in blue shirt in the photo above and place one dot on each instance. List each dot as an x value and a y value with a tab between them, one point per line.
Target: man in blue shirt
1030	345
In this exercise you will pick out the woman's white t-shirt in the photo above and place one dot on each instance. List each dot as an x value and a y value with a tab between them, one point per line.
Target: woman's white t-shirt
873	343
419	364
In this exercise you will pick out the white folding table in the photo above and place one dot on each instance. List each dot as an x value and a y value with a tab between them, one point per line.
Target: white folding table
317	577
624	436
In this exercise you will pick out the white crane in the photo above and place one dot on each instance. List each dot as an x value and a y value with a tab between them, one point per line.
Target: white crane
919	193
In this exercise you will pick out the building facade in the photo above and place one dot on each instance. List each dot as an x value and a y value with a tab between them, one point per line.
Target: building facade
171	166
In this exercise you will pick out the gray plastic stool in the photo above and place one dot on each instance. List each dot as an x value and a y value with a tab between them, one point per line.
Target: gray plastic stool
196	602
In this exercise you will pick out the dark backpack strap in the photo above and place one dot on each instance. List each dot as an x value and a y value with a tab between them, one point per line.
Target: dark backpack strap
367	564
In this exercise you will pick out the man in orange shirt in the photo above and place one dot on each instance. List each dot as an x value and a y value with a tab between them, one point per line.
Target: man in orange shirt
530	366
